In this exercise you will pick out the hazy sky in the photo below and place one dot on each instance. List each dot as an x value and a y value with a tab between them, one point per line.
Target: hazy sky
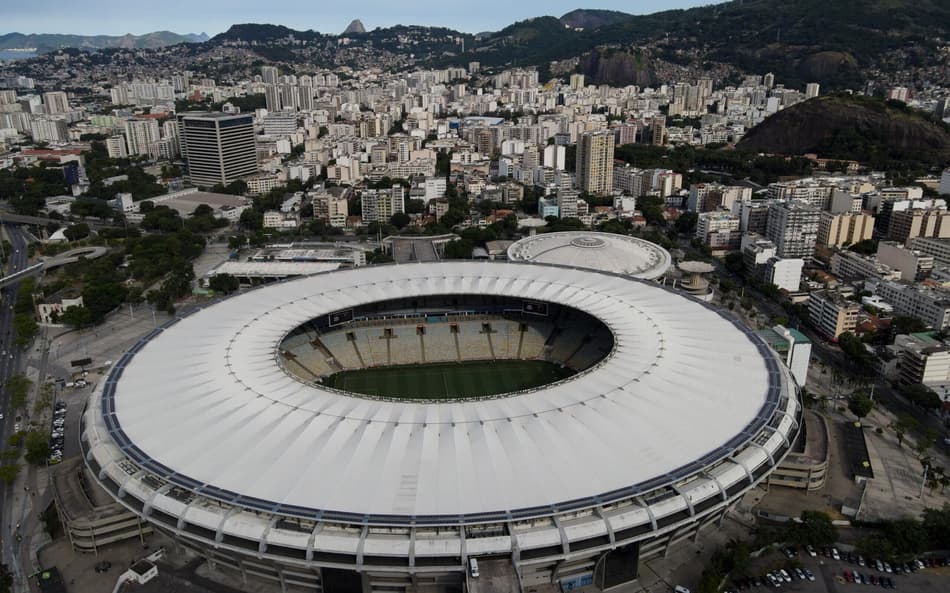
117	17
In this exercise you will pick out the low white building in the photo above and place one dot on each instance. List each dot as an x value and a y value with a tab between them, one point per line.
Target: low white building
49	313
274	219
785	273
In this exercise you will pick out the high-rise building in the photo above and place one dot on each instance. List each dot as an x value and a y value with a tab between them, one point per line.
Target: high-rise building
831	314
55	102
910	224
269	74
793	228
811	90
272	97
554	157
567	203
659	130
768	80
218	148
115	146
140	134
838	230
281	123
380	205
577	81
595	162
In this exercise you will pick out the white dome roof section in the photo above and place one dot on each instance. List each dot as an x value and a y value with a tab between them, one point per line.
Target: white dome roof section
207	399
605	252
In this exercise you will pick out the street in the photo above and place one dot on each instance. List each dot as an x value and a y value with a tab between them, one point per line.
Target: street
9	366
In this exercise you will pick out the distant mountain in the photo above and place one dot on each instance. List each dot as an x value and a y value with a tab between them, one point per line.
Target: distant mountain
853	127
584	18
46	42
356	26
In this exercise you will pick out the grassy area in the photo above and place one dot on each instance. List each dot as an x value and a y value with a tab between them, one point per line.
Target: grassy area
449	380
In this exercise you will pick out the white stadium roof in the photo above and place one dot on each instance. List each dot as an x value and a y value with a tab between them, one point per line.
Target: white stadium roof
607	252
206	404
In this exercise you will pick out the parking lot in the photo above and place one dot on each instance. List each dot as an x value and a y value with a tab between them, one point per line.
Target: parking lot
847	573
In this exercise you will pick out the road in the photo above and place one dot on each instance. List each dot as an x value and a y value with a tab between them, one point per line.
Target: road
10	362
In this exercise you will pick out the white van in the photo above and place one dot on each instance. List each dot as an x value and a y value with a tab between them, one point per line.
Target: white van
473	567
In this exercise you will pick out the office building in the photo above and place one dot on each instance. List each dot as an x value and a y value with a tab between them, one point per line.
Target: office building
838	230
932	306
218	148
567	203
115	147
793	228
56	102
811	90
140	134
832	314
939	249
269	74
912	264
281	123
848	265
659	130
380	205
910	224
719	230
595	162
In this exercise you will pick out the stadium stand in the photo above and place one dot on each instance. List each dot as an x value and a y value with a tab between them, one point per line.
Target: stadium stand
403	335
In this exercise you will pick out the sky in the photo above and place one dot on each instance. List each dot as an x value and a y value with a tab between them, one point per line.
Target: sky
118	17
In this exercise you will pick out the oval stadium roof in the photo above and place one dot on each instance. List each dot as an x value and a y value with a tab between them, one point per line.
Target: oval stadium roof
606	252
207	400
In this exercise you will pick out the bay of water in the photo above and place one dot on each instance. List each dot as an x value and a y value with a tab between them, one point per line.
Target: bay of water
6	54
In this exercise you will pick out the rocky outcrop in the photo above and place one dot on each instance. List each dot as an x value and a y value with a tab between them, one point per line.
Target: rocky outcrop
617	68
852	127
354	27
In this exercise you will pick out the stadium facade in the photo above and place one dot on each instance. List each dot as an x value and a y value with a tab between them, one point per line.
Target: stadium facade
202	430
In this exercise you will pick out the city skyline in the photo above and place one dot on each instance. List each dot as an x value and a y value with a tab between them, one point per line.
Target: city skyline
215	16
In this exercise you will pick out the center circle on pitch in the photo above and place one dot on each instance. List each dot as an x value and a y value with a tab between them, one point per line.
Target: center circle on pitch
439	348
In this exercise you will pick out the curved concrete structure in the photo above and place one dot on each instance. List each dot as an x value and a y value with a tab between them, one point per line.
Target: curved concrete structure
200	430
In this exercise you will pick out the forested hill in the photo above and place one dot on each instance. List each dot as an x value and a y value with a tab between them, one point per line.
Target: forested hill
858	128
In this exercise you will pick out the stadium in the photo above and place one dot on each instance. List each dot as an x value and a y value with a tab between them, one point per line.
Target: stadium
252	432
608	252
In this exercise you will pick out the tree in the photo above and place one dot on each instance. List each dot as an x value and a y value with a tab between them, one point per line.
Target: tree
25	328
922	396
399	220
252	220
236	241
876	546
18	386
459	249
936	523
76	316
37	447
224	283
814	528
901	426
686	223
77	231
8	473
860	405
902	324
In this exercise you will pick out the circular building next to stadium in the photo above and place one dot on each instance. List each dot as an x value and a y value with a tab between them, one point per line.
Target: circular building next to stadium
608	252
247	432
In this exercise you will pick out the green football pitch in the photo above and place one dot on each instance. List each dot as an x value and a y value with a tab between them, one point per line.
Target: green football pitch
449	380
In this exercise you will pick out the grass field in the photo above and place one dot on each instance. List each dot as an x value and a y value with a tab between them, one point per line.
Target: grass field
449	380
